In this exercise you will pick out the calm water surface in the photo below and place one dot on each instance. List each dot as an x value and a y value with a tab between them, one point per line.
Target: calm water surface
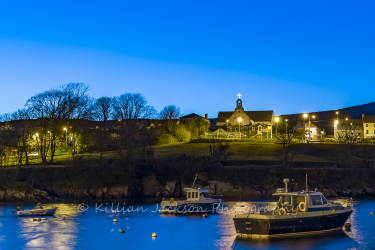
94	229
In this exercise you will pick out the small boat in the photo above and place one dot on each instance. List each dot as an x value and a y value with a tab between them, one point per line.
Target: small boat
296	213
36	212
197	201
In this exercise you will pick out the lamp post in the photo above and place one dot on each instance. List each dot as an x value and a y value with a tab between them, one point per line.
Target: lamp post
66	139
227	125
305	116
337	115
277	123
335	129
239	125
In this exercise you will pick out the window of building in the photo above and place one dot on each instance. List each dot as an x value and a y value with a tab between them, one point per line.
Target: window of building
366	132
366	125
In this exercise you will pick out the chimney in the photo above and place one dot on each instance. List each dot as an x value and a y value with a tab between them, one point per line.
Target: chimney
363	116
206	116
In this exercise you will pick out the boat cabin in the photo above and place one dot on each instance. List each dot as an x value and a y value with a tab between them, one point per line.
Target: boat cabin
301	201
195	194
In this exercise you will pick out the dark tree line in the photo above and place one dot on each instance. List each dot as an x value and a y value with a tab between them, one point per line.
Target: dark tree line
62	119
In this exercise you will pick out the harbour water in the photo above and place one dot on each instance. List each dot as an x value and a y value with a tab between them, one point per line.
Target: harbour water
92	227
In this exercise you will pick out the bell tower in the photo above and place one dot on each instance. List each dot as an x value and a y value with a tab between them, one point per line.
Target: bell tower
239	111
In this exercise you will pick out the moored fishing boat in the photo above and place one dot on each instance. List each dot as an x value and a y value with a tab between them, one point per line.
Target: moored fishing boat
197	201
296	213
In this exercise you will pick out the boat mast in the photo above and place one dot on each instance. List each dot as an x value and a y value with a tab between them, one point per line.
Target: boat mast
192	186
307	186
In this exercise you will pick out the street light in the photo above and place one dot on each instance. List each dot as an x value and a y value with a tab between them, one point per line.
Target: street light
66	139
277	123
305	116
335	129
239	126
337	115
227	125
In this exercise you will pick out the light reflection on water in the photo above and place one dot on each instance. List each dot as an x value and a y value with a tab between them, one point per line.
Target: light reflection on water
95	230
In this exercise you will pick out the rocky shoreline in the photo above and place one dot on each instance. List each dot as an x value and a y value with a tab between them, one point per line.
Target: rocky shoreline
149	187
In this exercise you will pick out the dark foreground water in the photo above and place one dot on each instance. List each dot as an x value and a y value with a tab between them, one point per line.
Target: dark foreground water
95	229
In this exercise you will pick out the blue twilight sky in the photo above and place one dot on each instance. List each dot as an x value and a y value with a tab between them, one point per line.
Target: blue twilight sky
288	56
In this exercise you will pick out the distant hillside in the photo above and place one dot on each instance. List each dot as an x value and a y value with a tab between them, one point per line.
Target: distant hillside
325	119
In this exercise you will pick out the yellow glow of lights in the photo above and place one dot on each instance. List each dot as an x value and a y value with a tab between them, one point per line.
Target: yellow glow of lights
305	115
239	119
286	120
227	120
277	119
346	118
65	129
313	116
336	122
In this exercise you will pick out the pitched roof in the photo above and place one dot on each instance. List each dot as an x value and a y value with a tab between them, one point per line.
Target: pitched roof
260	115
369	118
224	116
253	115
192	115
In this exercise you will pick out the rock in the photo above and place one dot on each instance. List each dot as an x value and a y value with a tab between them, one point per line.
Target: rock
104	190
92	192
99	194
151	187
118	192
356	190
17	196
329	193
369	191
346	192
2	194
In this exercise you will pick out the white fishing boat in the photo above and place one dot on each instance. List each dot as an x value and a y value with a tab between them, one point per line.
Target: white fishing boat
36	212
197	201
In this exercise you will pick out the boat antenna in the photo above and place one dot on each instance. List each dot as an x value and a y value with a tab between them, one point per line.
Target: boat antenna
307	186
192	186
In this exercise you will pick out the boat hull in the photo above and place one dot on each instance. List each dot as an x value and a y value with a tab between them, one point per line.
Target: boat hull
36	212
190	208
281	226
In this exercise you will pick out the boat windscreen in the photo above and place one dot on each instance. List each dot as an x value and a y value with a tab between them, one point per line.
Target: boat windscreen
316	200
206	195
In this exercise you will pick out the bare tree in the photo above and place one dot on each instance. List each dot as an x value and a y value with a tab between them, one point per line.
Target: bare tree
102	109
24	133
131	106
288	151
49	110
170	113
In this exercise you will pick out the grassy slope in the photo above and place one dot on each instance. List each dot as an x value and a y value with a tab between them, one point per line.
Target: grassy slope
239	151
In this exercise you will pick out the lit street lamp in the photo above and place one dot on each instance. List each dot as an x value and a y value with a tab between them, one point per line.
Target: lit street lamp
227	125
277	123
305	116
239	125
337	115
